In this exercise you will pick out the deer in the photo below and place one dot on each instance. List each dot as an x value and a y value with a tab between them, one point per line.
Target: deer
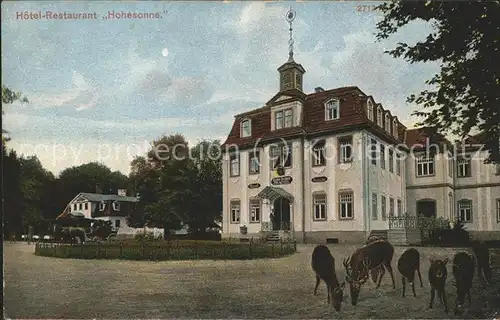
374	255
408	263
323	264
437	279
482	254
463	272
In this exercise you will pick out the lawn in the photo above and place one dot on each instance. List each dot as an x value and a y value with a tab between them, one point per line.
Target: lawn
43	287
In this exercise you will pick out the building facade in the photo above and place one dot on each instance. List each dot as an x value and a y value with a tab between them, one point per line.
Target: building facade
334	164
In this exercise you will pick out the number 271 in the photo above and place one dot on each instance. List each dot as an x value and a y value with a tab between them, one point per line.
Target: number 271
366	8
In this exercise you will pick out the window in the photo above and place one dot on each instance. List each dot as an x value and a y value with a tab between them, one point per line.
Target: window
288	118
74	206
374	206
383	207
235	211
400	207
116	206
498	210
80	206
395	128
318	154
465	210
298	80
391	207
254	210
463	167
246	128
346	200
387	123
86	206
332	109
345	144
374	151
379	117
234	165
398	164
369	108
117	223
425	165
319	206
281	156
382	156
450	165
254	162
451	205
279	119
391	161
102	206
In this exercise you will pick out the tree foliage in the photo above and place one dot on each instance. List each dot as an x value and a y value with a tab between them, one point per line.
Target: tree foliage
466	43
8	97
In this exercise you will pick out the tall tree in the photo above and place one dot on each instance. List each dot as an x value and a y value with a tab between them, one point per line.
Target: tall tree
11	196
466	42
8	97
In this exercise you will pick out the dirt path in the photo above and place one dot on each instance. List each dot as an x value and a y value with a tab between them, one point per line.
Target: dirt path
40	287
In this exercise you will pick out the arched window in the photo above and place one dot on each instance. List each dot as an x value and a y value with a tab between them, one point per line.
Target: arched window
332	109
246	128
387	122
380	120
395	128
369	110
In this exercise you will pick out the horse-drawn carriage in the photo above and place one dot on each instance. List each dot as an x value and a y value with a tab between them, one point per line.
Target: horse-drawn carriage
75	228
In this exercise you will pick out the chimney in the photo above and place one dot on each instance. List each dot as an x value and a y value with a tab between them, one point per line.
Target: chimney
122	192
98	189
318	89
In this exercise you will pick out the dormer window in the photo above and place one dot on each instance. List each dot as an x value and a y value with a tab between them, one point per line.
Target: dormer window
283	119
369	109
387	122
102	206
332	109
116	206
380	120
246	128
395	128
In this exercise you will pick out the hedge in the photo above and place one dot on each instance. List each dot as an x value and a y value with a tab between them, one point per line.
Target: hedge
167	250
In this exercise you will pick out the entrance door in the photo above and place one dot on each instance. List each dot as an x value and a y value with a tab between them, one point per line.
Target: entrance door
426	208
282	215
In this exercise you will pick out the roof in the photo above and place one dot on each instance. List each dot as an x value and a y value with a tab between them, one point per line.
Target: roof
96	197
352	114
420	136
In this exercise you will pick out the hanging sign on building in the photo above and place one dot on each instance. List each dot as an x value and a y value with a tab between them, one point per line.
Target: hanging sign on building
281	180
254	185
319	179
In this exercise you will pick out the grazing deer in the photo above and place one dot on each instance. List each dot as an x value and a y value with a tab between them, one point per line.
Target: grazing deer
463	271
323	265
482	254
408	263
437	279
375	255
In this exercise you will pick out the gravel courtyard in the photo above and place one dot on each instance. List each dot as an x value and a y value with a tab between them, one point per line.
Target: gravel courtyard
41	287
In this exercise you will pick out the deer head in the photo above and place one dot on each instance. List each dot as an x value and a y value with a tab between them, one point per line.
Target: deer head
337	294
356	275
439	267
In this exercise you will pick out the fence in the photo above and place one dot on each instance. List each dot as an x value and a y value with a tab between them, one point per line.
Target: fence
168	250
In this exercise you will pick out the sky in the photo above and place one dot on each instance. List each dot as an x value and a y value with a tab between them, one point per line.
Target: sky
103	89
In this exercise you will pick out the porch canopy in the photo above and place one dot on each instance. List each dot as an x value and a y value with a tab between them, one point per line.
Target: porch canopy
273	193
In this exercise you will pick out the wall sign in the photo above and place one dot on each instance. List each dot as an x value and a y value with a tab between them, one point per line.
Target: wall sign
254	185
319	179
281	180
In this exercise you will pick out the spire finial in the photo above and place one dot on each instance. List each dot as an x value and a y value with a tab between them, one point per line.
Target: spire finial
290	16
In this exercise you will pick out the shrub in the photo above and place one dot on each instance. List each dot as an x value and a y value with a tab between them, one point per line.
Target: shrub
442	234
167	250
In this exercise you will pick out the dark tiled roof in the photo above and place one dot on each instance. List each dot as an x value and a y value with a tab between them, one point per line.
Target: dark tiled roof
352	115
96	197
419	136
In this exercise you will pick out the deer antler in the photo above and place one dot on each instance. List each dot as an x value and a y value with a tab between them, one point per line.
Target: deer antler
365	270
347	268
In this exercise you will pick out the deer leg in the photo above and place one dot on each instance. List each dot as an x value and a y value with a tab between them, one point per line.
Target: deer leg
456	306
403	280
444	301
432	298
413	288
389	268
328	289
468	297
317	284
380	276
420	278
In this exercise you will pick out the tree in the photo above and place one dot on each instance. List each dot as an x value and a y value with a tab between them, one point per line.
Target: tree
8	97
12	196
466	42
